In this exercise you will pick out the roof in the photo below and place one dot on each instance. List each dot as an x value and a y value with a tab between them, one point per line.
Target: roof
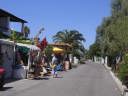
13	18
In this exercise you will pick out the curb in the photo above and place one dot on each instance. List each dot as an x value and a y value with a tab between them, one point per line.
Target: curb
121	87
118	82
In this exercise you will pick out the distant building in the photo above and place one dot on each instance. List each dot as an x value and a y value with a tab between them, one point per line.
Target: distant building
5	19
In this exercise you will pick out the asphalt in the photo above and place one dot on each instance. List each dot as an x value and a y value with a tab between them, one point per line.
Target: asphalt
89	79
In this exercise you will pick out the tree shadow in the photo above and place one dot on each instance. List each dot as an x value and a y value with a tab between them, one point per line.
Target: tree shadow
41	78
11	80
58	77
5	88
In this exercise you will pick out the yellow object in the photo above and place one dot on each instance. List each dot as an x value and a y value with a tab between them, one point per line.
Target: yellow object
57	50
52	66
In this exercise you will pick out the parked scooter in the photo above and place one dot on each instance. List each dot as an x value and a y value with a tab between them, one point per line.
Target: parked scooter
2	79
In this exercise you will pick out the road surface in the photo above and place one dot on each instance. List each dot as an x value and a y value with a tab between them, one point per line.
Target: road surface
86	80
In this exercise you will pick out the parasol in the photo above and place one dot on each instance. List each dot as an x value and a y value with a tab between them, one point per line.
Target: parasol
57	50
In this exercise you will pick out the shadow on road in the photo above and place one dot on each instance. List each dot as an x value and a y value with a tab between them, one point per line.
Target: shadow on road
11	80
42	78
58	77
5	88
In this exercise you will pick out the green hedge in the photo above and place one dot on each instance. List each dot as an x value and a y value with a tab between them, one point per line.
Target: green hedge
123	71
123	68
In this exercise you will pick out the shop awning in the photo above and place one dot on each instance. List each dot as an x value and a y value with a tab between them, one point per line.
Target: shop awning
31	47
6	41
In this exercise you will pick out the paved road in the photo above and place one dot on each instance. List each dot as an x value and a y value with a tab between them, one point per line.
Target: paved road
87	80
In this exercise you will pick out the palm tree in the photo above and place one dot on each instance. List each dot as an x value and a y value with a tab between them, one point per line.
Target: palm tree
26	31
72	37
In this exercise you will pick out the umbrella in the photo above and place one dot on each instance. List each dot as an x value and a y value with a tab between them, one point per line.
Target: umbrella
57	50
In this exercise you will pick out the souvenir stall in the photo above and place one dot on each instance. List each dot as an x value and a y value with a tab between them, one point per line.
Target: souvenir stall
16	58
23	59
33	61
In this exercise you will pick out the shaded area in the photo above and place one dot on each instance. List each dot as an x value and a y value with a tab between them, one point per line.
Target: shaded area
5	88
11	80
40	78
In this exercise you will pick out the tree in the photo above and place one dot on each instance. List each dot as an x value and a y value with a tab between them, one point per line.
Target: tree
112	34
14	36
103	39
112	37
26	31
119	8
72	37
116	7
94	50
48	51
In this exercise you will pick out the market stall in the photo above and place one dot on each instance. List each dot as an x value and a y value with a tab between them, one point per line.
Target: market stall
16	58
24	59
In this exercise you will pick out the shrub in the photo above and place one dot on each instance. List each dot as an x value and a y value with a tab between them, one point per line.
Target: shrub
123	70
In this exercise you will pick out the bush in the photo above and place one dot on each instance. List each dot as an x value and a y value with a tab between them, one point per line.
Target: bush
123	70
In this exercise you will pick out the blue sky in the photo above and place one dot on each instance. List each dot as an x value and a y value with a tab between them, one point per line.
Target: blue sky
56	15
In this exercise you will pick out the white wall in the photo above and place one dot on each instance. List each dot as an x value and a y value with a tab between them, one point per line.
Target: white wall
101	60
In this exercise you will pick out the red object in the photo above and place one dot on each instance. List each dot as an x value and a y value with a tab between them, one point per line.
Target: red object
42	44
39	45
2	70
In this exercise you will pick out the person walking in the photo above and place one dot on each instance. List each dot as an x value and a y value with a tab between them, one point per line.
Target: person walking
54	66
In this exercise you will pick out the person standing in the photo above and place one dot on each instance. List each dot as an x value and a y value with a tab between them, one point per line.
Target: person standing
66	63
54	66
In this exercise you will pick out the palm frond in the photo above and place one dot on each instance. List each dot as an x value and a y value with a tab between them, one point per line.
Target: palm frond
73	37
